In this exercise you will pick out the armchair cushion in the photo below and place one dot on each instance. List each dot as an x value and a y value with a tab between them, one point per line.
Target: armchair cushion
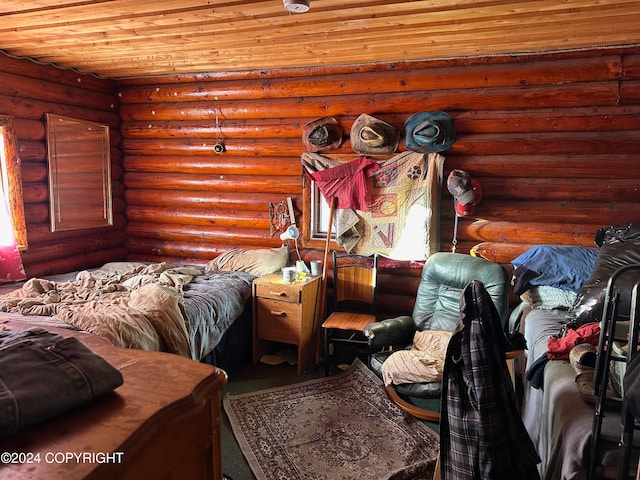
444	278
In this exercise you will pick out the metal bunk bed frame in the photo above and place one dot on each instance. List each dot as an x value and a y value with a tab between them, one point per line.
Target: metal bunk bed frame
602	372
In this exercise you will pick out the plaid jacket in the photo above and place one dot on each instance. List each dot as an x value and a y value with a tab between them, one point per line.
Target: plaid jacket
481	433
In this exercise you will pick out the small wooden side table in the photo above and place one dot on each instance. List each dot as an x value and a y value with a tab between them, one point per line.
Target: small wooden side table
286	313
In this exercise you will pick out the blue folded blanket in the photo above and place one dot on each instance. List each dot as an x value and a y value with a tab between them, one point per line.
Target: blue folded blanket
560	266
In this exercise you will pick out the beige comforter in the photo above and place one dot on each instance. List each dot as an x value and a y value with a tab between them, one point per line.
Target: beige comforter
133	305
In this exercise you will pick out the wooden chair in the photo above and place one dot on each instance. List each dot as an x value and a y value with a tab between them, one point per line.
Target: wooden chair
353	305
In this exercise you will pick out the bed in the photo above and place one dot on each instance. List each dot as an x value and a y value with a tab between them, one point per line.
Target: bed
202	313
558	419
562	289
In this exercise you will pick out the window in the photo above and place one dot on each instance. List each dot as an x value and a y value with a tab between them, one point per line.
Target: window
79	174
315	216
320	213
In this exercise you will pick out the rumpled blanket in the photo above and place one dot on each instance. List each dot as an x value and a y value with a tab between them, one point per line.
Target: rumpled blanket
213	302
133	305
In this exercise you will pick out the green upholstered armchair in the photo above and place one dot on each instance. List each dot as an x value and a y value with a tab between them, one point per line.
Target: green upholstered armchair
437	307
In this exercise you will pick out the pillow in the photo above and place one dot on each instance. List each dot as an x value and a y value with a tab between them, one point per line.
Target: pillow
560	266
619	246
257	262
547	298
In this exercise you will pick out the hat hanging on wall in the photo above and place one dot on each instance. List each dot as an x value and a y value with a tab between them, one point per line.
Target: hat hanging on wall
466	192
427	132
371	136
322	134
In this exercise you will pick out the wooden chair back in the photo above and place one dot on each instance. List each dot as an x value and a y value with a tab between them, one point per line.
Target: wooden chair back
355	279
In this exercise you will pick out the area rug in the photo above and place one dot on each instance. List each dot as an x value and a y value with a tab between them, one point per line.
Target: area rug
340	427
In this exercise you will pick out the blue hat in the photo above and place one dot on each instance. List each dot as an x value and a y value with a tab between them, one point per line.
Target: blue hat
427	132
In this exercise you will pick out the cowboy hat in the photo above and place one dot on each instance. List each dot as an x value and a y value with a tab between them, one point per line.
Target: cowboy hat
370	136
427	132
322	134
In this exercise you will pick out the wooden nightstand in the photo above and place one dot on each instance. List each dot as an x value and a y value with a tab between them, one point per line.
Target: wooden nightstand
286	313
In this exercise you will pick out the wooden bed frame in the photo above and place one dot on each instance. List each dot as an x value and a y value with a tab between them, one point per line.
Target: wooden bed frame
162	423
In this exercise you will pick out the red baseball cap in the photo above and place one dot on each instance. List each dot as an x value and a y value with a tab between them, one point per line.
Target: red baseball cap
466	210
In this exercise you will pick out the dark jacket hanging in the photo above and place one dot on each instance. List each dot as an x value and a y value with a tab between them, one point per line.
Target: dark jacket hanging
481	433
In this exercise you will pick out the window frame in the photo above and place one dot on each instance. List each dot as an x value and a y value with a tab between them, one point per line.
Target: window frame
71	180
312	203
11	177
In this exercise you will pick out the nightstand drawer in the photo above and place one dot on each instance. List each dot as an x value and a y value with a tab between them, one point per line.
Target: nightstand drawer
284	292
278	321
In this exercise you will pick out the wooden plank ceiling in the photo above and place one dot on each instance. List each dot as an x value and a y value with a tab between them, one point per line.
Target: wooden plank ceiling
125	38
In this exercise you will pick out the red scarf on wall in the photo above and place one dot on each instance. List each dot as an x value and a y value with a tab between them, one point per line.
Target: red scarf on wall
346	182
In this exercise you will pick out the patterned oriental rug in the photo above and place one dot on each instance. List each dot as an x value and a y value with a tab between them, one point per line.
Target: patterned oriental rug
340	427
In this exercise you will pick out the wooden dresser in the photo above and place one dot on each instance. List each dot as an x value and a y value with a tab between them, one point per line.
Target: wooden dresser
162	423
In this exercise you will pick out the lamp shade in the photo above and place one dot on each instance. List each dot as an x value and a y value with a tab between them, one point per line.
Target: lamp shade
290	233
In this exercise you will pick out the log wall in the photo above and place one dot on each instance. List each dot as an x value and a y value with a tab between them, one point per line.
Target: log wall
28	91
554	140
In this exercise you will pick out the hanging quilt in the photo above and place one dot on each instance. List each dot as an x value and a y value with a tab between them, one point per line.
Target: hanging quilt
402	196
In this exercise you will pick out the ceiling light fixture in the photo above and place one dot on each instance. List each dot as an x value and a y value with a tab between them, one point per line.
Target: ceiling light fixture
296	6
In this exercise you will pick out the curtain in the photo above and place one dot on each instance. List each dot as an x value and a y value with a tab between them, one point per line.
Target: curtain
11	268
